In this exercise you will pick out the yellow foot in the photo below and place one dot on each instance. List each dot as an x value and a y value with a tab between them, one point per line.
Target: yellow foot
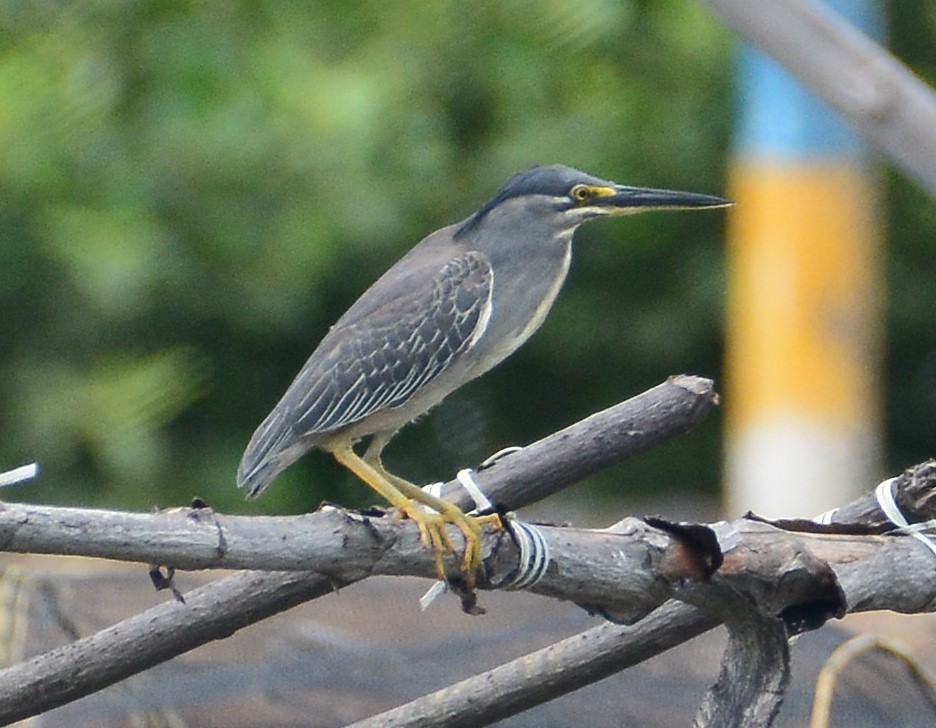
433	533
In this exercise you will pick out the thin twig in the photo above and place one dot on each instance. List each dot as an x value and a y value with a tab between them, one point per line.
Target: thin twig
849	651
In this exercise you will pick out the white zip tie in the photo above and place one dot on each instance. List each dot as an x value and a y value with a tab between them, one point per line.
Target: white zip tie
18	475
437	589
466	479
885	498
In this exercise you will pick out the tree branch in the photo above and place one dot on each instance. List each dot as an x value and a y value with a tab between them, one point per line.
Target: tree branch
546	674
866	573
882	99
218	610
793	578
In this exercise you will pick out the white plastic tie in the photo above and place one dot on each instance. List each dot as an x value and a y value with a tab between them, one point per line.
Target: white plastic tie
466	478
432	593
885	498
19	475
435	490
482	502
921	527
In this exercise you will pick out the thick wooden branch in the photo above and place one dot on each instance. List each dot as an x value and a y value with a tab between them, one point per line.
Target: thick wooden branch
624	570
768	566
546	674
170	629
755	670
865	571
198	539
594	444
883	100
792	579
601	651
212	612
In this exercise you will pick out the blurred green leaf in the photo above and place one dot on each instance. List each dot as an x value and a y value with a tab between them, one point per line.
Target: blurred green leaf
191	193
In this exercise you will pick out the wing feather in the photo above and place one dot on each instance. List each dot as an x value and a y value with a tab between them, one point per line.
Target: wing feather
375	362
379	362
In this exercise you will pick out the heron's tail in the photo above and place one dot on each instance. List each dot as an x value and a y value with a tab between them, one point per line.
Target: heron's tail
258	478
269	452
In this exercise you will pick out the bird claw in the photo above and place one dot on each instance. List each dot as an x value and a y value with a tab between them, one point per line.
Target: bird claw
433	533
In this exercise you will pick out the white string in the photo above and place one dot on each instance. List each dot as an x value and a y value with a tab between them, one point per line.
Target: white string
18	475
885	498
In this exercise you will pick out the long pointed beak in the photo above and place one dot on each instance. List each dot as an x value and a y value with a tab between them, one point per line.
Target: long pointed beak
639	199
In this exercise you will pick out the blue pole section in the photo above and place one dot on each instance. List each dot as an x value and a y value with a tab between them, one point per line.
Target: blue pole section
803	324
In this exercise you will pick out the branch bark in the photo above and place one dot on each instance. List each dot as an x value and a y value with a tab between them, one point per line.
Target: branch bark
211	612
546	674
790	576
865	575
787	580
170	629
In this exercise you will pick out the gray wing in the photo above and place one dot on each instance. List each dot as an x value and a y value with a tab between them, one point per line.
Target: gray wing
374	362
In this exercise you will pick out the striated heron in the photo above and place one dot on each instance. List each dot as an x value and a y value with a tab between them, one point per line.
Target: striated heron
459	302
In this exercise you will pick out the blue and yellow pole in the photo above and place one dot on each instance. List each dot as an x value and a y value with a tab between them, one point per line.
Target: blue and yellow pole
803	321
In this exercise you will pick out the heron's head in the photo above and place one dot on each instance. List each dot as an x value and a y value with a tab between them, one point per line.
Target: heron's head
564	198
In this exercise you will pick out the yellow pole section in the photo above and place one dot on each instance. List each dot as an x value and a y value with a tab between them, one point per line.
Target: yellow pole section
802	353
802	331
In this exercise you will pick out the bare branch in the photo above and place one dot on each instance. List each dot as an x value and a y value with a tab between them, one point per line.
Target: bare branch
546	674
755	671
211	612
758	564
758	567
884	101
788	579
200	539
219	609
594	444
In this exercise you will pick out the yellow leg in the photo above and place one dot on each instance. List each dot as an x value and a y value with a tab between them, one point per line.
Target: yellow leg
409	499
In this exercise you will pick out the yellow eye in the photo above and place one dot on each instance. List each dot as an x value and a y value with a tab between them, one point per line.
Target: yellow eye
580	193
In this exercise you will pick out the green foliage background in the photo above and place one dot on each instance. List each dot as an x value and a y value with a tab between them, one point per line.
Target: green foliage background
190	193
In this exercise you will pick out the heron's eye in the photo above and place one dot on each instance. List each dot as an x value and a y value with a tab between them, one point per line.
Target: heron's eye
580	193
